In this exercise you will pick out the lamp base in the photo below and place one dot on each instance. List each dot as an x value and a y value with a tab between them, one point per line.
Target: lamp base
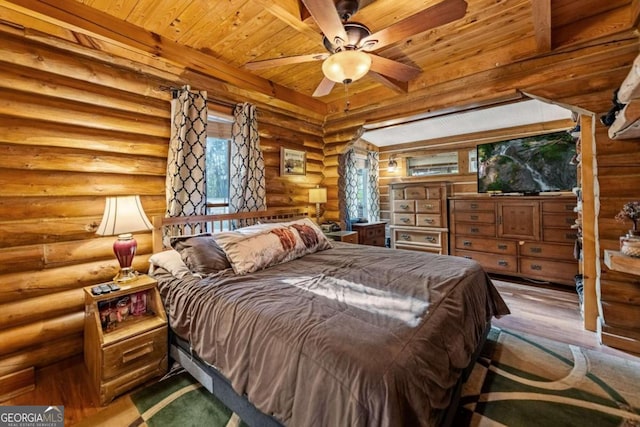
125	275
125	249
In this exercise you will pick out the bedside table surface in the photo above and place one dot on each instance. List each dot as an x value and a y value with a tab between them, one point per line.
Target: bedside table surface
340	233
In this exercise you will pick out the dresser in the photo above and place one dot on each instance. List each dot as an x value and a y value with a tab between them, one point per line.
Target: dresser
419	216
529	237
370	233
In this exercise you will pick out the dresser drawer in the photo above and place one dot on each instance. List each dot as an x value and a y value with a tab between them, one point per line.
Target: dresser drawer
558	206
134	353
559	220
473	205
414	193
417	236
506	247
433	193
404	206
547	250
484	217
428	206
559	235
552	270
502	263
488	230
421	248
404	219
397	193
424	220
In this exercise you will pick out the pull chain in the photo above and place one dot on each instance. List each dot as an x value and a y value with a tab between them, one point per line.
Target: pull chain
347	104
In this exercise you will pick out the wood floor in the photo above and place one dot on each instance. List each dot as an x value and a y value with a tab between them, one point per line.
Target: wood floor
547	312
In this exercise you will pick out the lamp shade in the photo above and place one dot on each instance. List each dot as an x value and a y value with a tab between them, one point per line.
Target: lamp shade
346	66
318	195
123	214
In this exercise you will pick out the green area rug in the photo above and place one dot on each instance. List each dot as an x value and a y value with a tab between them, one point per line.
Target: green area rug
519	380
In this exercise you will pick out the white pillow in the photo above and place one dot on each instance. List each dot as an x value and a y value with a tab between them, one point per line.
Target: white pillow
171	261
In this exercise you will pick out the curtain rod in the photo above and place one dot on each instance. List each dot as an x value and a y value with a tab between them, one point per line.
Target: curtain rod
175	90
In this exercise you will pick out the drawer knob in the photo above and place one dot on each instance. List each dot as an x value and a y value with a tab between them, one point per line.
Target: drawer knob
503	263
428	220
474	217
536	267
404	206
405	236
536	250
569	207
430	239
429	206
502	247
475	230
474	206
467	243
405	220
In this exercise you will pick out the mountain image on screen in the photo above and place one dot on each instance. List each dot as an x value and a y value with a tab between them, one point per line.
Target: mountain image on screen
527	165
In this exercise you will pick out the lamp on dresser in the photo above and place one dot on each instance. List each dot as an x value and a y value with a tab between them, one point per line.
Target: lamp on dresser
318	195
124	215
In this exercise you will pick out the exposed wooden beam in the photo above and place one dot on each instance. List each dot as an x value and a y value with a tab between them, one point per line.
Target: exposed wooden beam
541	10
395	85
81	18
635	13
291	13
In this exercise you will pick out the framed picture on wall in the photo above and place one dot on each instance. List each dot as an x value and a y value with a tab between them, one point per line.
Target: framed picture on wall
292	162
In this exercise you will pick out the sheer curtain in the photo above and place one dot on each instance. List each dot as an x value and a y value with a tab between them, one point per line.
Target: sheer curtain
186	181
247	186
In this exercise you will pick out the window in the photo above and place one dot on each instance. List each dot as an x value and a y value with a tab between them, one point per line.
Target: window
363	184
473	160
433	164
218	163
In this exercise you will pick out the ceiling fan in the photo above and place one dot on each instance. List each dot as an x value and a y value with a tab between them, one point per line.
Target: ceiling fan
351	45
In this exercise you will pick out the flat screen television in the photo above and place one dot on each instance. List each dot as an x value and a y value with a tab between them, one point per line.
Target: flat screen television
530	165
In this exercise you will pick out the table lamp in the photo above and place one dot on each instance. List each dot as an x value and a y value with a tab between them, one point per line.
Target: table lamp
317	196
122	216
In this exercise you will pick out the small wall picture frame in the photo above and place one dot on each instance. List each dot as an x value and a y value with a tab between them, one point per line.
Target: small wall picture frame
292	162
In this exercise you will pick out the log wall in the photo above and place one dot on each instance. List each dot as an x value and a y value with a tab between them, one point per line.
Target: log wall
75	127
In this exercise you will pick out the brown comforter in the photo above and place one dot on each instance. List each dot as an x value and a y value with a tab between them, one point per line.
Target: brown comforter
350	336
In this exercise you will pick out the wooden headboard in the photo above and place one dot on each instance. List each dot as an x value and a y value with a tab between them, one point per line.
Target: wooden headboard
180	225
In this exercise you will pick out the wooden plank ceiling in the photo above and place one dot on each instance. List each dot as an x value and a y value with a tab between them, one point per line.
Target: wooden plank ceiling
493	34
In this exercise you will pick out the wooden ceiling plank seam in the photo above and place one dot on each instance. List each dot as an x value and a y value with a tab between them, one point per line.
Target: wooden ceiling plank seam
198	18
118	8
109	28
542	24
159	16
594	27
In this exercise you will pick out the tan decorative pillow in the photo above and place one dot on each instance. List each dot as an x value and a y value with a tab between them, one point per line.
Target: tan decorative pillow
249	252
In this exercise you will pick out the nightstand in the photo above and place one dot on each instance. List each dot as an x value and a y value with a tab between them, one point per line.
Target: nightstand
125	337
370	233
343	236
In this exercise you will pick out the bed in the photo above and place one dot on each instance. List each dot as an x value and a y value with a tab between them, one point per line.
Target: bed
321	333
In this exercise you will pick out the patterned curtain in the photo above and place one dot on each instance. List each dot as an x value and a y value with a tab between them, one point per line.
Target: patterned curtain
186	184
247	188
347	188
373	193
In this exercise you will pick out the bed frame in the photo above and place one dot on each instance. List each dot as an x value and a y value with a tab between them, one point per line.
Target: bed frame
210	378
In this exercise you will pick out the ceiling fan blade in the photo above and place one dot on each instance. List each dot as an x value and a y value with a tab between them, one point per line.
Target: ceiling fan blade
395	85
325	14
439	14
288	60
394	69
324	88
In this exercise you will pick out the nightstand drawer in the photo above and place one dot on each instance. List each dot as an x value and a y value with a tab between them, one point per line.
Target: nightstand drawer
134	353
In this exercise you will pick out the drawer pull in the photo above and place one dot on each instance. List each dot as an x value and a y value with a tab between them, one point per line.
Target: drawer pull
405	220
430	239
466	243
474	206
474	217
536	267
405	236
428	220
502	263
467	257
475	230
569	207
536	250
137	352
429	206
502	247
404	206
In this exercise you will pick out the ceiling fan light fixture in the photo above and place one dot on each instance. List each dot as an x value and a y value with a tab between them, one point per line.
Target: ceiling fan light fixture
346	66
